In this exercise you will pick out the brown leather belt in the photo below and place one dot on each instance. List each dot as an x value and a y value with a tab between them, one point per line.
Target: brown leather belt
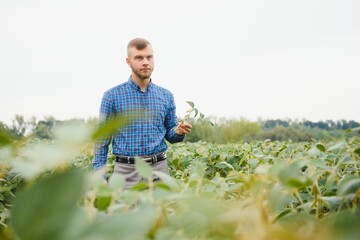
150	159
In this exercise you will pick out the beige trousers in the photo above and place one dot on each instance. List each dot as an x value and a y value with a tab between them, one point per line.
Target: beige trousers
132	177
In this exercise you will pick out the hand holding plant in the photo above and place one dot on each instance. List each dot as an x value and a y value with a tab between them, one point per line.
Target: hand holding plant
184	127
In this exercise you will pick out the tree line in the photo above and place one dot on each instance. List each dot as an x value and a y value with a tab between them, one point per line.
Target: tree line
236	130
223	130
325	125
42	129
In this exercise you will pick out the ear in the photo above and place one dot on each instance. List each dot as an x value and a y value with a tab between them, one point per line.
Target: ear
128	61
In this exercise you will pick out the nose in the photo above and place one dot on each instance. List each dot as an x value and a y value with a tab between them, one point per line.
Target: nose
146	61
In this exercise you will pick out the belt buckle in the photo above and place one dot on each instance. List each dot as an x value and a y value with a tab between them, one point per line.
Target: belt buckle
154	159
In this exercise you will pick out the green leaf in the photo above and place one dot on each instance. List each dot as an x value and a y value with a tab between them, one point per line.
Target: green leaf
346	225
291	175
211	123
337	147
139	186
357	151
321	147
116	181
350	186
113	125
143	168
253	163
45	209
198	169
333	202
330	184
167	179
320	164
161	185
281	150
278	198
133	224
282	214
103	198
79	222
196	112
224	165
192	105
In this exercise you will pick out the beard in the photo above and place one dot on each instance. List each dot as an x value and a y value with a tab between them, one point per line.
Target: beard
142	74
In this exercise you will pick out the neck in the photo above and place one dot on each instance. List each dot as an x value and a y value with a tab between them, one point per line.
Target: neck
143	83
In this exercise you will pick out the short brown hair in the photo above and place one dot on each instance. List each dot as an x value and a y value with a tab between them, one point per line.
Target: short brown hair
138	43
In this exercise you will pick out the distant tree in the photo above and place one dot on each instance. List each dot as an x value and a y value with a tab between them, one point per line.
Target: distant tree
322	125
45	128
353	124
224	130
342	124
309	124
32	124
202	132
270	124
331	124
283	134
236	130
19	125
3	126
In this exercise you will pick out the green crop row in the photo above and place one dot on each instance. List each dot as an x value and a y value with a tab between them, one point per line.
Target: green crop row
258	190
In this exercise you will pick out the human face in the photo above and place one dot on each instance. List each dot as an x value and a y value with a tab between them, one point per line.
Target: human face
141	63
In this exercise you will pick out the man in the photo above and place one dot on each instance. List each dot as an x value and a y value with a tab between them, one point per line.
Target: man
154	107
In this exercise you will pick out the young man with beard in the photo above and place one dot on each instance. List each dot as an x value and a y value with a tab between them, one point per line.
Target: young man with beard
155	122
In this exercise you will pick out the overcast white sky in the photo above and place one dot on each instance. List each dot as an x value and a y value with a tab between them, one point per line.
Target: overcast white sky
268	59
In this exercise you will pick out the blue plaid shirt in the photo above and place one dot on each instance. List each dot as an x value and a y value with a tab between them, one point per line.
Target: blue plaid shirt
142	136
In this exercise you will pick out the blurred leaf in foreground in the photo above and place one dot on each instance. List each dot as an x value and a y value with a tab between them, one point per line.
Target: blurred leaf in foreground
45	210
343	225
134	225
143	168
111	126
41	157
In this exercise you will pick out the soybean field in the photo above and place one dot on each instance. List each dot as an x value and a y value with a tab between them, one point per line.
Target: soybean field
257	190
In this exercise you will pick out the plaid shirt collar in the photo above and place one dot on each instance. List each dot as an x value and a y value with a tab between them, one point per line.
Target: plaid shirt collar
134	85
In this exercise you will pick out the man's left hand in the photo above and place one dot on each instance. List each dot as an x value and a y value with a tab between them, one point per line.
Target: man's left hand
183	128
